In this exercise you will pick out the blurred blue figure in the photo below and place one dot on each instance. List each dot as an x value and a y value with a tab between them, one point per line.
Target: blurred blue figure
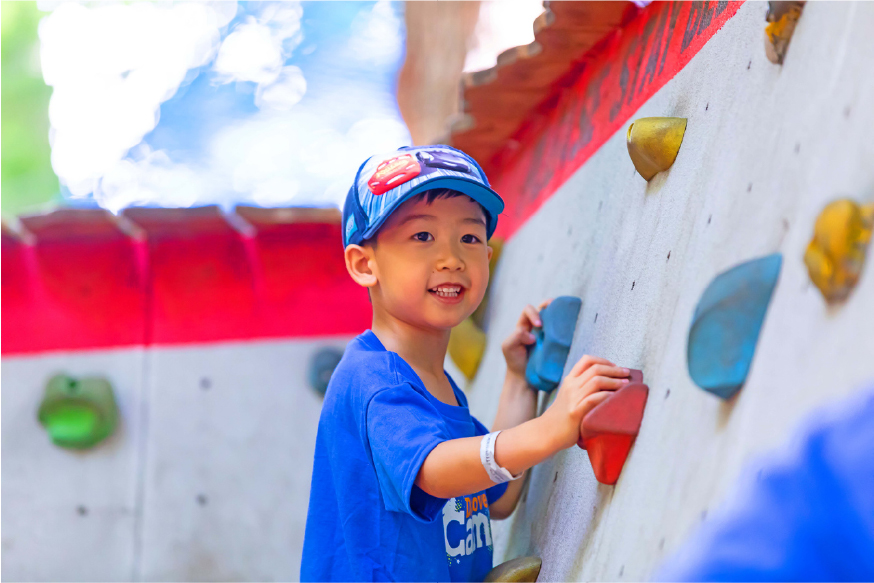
807	515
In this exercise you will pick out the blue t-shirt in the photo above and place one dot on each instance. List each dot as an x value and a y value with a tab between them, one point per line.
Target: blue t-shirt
367	520
806	514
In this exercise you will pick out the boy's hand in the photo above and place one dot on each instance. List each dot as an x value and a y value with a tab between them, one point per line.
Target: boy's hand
515	346
588	384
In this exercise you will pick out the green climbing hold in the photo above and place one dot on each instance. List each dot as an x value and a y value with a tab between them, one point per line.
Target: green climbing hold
78	413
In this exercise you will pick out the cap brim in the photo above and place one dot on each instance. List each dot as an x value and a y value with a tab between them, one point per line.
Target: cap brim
488	198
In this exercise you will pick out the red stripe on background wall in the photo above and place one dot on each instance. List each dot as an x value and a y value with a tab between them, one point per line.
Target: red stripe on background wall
186	276
614	82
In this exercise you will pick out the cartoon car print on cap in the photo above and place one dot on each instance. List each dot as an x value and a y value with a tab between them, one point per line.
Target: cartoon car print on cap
393	172
444	160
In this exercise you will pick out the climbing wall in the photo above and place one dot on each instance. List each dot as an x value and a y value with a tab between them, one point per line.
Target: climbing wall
766	148
206	325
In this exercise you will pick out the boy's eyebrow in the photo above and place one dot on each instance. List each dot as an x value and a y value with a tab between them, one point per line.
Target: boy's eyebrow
407	219
476	221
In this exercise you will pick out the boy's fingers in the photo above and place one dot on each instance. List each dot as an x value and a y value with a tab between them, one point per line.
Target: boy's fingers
532	315
544	303
525	319
520	335
586	405
600	383
605	370
585	362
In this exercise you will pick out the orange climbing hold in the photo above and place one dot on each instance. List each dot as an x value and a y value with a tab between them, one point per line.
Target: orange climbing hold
609	430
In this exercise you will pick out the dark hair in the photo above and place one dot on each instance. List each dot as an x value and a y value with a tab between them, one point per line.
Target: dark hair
430	196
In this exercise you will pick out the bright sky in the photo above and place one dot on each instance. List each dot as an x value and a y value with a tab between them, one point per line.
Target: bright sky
182	104
186	103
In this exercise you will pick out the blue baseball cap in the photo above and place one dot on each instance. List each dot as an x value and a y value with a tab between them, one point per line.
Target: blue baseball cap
384	182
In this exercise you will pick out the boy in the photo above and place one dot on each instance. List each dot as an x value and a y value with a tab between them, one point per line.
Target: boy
404	481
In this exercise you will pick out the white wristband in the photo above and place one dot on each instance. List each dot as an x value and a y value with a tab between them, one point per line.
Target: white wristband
497	474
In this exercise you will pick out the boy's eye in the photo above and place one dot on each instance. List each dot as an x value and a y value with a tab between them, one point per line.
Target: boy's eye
422	236
470	239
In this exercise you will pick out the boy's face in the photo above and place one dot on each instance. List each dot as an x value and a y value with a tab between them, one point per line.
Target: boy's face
431	262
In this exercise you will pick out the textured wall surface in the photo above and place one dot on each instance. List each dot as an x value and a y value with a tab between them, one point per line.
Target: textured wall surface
765	149
207	477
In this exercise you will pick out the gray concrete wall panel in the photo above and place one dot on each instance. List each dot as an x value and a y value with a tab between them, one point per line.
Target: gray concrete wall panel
69	515
765	149
231	436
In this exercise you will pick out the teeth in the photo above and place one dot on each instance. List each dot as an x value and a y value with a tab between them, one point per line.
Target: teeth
447	292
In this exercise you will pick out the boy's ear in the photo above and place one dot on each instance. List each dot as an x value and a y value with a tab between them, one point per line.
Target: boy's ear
491	251
359	264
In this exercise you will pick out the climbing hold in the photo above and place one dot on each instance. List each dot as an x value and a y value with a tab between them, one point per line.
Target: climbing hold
322	366
782	18
78	413
525	569
546	357
609	430
466	346
835	255
653	143
726	324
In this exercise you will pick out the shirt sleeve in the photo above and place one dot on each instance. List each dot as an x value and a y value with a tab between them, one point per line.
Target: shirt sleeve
402	429
496	491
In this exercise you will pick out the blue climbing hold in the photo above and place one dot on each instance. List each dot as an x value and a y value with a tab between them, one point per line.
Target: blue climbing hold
727	322
546	357
322	365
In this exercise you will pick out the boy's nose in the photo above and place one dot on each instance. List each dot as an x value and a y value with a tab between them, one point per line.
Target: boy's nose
450	258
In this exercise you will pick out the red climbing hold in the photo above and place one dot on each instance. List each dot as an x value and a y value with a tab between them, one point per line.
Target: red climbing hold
608	431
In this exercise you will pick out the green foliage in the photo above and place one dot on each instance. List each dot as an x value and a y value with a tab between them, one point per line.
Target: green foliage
27	177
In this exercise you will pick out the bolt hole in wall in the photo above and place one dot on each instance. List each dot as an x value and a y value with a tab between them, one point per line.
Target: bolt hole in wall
205	383
202	499
82	510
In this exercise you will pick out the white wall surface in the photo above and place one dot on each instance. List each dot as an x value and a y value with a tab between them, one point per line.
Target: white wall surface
69	516
207	478
766	147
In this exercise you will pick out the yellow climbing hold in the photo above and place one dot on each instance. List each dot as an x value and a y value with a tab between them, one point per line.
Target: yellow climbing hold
653	143
782	18
835	255
466	346
479	315
521	569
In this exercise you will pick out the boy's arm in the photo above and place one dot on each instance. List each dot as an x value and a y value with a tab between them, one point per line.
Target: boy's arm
518	404
453	468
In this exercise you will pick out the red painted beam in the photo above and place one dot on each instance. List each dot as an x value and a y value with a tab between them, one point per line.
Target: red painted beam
610	84
78	285
306	288
200	282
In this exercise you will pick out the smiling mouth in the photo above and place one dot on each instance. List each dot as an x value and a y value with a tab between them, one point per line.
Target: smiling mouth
447	291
